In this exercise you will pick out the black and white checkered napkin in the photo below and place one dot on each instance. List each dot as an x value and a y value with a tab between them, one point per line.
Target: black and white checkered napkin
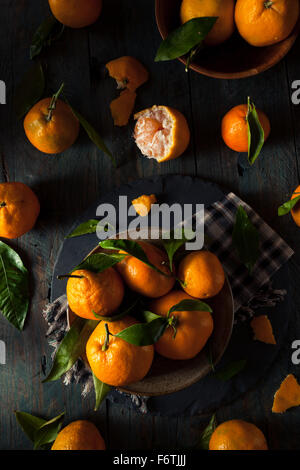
249	291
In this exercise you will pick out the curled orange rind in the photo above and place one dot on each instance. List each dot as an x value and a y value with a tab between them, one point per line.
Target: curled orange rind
287	396
263	330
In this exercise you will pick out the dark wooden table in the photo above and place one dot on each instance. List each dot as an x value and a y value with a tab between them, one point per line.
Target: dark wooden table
68	183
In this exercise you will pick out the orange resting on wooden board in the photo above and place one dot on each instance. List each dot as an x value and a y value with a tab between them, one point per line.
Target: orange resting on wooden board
234	127
51	132
121	108
287	396
113	360
79	435
202	274
266	22
143	279
161	133
296	209
19	209
222	9
237	434
188	331
76	13
90	292
263	330
142	204
128	72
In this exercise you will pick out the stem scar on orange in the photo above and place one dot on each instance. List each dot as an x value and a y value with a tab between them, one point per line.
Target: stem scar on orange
161	133
235	127
76	13
89	292
128	72
115	361
237	434
79	435
19	209
188	331
143	279
51	126
266	22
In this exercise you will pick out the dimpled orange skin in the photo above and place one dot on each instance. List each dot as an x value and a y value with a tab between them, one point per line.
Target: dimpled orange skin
263	22
79	435
143	279
192	328
54	136
235	127
101	293
237	435
122	363
202	274
76	13
296	209
128	72
19	209
223	9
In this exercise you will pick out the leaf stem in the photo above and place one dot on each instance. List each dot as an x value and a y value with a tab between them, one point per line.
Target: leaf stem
68	276
106	342
53	102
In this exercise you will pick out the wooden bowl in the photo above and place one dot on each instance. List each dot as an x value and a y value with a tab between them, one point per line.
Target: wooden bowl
168	376
234	58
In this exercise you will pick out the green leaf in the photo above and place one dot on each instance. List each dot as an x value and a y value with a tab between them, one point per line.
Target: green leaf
256	135
44	35
288	206
30	90
147	316
176	240
38	430
93	135
131	248
230	370
189	305
144	334
29	423
207	433
98	262
14	287
101	391
71	347
245	238
89	227
185	38
48	432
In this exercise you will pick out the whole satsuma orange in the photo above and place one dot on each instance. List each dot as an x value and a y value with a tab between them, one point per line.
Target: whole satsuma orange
113	360
51	130
188	331
296	209
235	127
79	435
237	435
222	9
19	209
142	278
202	274
100	293
76	13
266	22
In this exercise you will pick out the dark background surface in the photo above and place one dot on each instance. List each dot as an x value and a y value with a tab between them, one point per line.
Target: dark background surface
68	184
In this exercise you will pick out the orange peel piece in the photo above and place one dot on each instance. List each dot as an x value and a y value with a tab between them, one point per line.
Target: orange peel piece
287	396
263	330
128	72
143	204
121	108
161	133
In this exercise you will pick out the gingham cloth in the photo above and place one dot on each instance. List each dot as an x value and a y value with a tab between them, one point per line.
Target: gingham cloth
249	291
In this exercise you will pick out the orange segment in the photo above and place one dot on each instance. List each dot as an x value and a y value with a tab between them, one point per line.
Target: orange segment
287	396
128	72
143	204
161	132
121	108
263	330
